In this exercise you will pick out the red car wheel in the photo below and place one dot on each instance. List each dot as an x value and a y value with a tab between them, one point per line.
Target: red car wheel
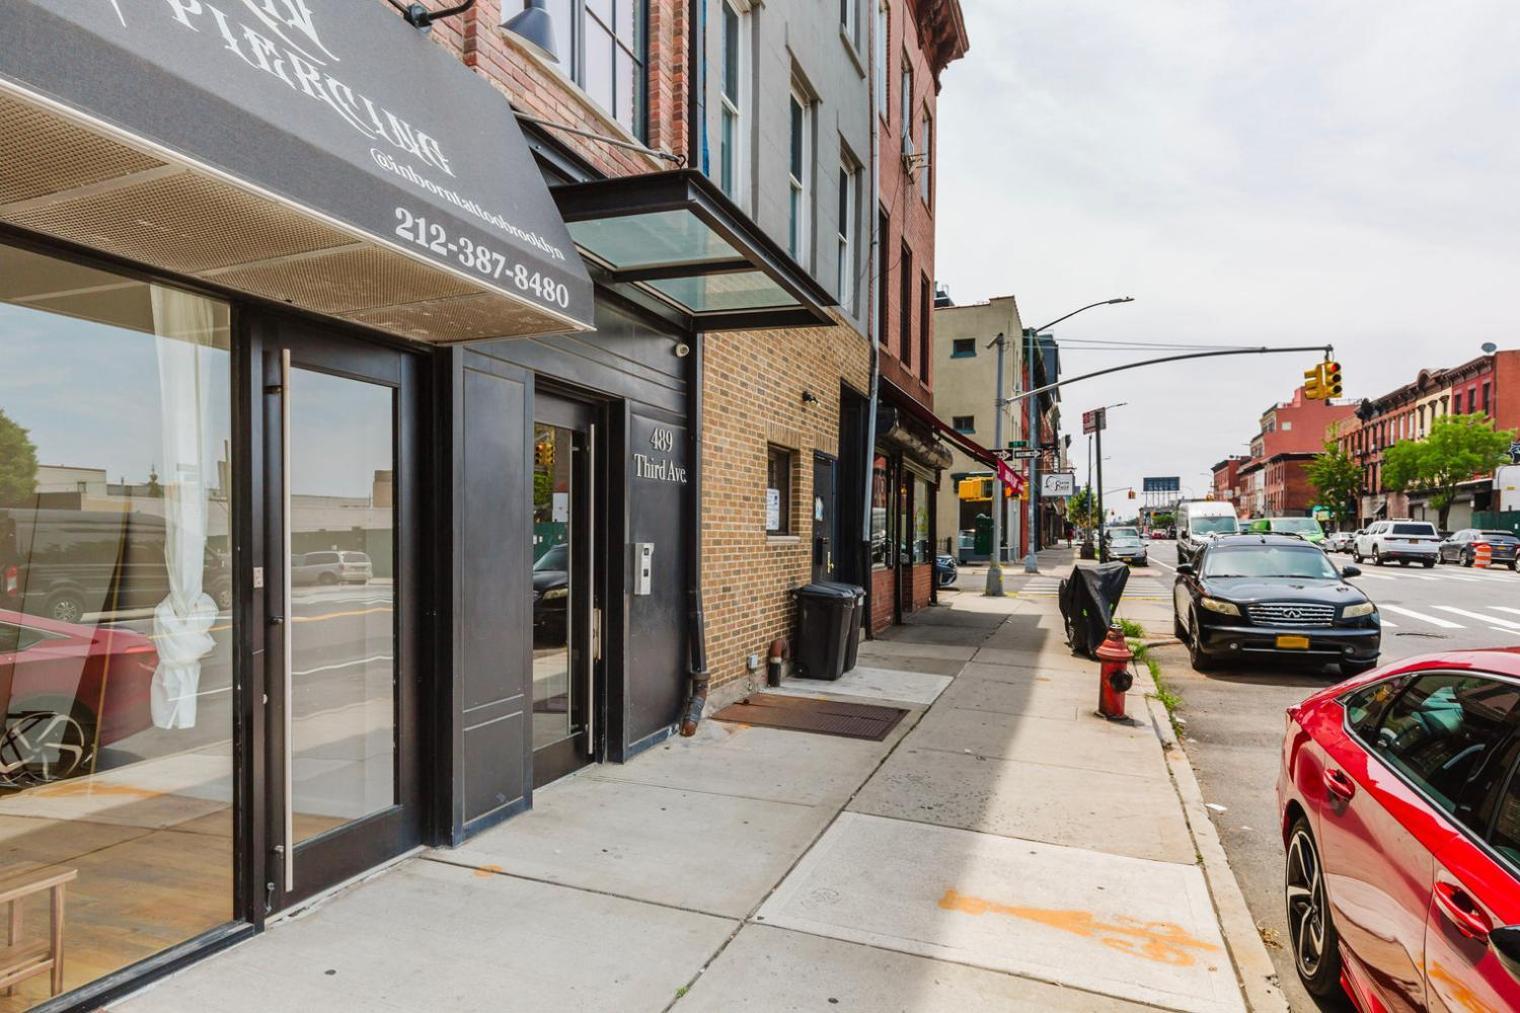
1316	953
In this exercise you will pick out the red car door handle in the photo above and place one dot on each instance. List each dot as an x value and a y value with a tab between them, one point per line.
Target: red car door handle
1460	910
1338	784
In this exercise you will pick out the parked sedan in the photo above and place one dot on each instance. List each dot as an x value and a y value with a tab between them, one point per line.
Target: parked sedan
1462	547
1273	596
1339	541
1399	803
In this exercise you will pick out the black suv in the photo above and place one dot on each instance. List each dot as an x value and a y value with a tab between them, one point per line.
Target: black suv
1273	596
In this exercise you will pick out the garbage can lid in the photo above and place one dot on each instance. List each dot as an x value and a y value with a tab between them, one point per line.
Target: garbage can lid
829	590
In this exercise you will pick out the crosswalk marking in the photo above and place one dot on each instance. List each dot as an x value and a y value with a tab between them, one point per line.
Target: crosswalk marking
1505	608
1433	620
1509	624
1387	624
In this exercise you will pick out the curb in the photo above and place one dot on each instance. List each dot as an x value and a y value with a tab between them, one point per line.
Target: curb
1258	976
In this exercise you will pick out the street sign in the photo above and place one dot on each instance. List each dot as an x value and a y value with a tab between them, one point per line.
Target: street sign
1018	443
1025	453
1094	420
1058	484
1003	455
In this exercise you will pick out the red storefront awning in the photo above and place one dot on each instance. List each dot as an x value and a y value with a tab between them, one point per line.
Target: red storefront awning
961	441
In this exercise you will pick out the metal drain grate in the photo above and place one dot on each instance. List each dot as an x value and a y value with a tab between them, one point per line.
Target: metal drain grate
822	717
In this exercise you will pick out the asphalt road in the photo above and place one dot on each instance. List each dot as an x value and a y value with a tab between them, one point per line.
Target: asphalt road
1234	717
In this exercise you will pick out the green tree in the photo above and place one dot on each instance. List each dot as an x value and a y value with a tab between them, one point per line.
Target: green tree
18	463
1082	509
1458	448
1338	480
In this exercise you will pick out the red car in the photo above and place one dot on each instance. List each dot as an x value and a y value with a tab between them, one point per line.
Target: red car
1399	794
65	690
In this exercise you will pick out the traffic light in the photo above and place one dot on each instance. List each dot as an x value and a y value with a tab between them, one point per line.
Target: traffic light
1314	383
1132	494
1330	379
975	489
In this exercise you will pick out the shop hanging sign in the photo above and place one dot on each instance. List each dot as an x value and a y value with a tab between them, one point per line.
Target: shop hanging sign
335	107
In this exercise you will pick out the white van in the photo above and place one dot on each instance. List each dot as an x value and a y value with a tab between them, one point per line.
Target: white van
1199	520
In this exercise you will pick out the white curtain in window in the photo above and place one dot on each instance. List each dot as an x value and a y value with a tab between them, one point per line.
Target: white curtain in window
184	325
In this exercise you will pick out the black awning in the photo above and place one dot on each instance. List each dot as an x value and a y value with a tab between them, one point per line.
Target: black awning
320	153
677	237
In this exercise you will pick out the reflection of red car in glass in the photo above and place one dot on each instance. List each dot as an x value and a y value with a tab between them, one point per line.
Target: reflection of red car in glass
1399	793
61	684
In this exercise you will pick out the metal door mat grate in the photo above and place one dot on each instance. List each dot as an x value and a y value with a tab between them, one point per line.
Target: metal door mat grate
823	717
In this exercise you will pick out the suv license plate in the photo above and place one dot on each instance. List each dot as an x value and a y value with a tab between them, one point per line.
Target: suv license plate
1293	643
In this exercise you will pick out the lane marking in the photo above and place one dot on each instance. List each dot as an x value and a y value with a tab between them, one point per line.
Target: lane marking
1391	626
1372	576
342	664
1169	566
1504	608
1513	633
1432	620
1479	616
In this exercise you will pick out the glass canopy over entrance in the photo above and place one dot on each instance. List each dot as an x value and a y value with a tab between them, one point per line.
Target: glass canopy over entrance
676	237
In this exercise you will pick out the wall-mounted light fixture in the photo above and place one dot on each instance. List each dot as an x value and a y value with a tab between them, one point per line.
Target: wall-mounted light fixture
808	397
535	24
421	18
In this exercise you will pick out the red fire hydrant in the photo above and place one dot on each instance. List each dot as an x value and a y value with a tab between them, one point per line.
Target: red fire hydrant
1114	678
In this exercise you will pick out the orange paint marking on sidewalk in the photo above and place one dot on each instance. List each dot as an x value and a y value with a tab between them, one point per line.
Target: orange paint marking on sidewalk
1163	942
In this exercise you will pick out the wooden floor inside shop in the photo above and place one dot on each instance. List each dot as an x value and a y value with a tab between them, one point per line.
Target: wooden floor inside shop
154	867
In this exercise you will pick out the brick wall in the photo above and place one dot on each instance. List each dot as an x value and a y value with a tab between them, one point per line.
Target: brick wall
910	218
923	585
541	88
752	398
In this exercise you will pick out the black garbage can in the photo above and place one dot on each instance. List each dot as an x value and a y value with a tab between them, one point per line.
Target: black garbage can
852	648
825	613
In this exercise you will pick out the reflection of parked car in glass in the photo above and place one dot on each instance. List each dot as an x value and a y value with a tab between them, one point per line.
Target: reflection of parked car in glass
62	683
551	597
327	568
945	571
65	564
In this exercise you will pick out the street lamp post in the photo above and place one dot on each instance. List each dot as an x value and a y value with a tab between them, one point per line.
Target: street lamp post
995	565
1031	560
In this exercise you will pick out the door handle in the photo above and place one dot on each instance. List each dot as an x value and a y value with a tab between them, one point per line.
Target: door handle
1339	785
1460	910
287	814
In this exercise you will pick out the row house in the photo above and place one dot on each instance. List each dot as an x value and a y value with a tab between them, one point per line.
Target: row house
1488	385
1227	486
413	409
1274	480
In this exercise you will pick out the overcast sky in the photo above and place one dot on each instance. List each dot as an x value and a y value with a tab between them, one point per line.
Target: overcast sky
1252	173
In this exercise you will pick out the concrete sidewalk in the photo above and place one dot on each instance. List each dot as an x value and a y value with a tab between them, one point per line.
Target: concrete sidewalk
1004	848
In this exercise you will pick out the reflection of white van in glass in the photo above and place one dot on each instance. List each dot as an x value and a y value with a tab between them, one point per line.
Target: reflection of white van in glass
1198	520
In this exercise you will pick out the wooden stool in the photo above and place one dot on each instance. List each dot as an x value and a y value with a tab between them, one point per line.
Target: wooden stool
17	962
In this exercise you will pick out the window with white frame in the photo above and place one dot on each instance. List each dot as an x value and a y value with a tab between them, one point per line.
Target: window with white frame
800	171
905	106
731	98
849	214
849	21
882	23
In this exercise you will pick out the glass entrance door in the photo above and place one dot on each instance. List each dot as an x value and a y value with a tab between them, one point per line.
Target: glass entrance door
342	690
566	616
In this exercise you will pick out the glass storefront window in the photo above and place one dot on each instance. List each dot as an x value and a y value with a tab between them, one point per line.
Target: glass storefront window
881	499
923	541
116	628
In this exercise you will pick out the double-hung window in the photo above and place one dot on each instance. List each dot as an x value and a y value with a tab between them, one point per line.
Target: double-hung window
799	240
731	99
849	21
906	106
925	181
603	47
849	214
